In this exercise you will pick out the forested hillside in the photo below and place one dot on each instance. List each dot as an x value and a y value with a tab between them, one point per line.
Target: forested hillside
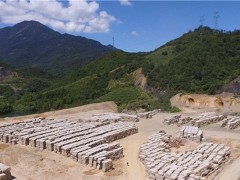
107	78
201	61
31	44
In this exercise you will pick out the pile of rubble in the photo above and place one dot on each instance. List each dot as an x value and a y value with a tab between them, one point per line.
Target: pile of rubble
113	117
231	122
207	118
84	142
5	173
192	133
177	119
161	163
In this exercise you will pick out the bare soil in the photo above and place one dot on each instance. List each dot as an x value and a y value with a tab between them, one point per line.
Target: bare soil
29	163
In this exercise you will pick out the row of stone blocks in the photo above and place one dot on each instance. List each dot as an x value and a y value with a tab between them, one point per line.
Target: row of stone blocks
5	172
113	117
231	122
228	121
161	163
177	119
72	139
192	133
206	119
148	114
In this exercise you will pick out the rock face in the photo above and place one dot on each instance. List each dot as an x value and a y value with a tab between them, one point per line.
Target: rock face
232	87
197	101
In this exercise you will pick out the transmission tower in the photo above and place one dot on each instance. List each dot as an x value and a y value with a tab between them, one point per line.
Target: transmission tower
113	41
202	19
216	17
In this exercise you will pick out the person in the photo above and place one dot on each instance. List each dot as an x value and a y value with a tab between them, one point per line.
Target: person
127	164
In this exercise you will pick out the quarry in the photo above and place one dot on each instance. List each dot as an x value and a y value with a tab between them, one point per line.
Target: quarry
97	142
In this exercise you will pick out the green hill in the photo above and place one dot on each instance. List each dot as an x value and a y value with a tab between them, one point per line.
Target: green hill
91	83
201	61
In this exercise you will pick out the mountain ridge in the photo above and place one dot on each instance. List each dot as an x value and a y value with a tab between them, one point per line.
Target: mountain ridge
196	62
30	43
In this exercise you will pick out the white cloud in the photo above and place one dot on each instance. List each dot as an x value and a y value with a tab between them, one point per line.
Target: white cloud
125	2
79	16
135	33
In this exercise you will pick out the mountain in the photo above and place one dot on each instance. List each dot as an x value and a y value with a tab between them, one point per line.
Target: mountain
200	61
30	43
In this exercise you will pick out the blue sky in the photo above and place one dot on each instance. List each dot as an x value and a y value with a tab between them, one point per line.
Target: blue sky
146	25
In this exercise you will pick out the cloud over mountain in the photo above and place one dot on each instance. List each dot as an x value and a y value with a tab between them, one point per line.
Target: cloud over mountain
74	16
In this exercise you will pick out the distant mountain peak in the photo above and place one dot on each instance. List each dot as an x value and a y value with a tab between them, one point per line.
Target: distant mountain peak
30	43
33	27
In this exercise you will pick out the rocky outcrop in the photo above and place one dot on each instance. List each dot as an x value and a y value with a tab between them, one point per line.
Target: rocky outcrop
232	87
219	101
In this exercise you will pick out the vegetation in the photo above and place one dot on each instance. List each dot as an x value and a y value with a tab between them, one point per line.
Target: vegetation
201	61
206	60
5	107
41	47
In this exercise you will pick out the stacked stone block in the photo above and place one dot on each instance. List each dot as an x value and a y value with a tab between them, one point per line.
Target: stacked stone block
206	119
83	142
113	117
5	172
192	133
172	119
231	122
161	163
148	114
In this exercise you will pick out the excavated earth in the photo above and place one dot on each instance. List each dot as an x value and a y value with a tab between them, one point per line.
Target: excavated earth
30	163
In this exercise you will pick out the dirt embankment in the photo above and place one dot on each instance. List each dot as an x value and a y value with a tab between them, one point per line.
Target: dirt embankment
81	112
222	102
140	79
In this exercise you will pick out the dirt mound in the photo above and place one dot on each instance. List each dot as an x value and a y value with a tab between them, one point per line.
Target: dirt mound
201	101
71	113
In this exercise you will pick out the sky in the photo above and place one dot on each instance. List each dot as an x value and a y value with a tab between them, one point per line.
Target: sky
135	25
